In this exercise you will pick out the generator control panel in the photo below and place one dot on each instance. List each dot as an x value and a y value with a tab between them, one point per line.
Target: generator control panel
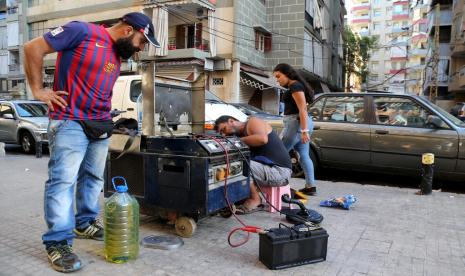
229	143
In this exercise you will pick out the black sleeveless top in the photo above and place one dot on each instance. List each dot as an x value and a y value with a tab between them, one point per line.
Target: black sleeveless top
274	151
290	107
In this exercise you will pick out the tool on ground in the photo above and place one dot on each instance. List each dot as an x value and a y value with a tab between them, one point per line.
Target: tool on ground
162	242
301	215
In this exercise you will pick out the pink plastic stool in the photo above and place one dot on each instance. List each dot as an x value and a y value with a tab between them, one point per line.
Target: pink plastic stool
273	195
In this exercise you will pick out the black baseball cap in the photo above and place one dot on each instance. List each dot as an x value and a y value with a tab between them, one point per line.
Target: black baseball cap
143	24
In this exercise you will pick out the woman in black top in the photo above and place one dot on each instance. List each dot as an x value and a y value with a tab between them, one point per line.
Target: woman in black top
298	126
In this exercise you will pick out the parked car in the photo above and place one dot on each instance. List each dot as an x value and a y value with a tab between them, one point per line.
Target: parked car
275	121
459	110
386	133
24	123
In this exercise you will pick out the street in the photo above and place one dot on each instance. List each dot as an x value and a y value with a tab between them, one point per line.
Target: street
389	231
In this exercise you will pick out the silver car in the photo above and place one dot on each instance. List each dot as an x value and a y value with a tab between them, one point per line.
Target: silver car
386	133
24	123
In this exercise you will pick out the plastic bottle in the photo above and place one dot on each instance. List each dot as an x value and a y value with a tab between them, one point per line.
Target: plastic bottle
121	225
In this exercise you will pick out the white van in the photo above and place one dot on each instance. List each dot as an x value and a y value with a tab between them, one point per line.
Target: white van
127	90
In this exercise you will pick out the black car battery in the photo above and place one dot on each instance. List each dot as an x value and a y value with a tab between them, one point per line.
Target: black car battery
285	246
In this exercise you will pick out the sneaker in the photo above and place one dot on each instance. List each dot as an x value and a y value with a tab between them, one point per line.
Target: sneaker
93	231
62	258
311	191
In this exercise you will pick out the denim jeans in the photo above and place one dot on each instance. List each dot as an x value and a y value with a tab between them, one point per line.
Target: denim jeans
292	139
75	162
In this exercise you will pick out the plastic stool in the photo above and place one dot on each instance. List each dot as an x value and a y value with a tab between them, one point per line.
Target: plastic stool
273	195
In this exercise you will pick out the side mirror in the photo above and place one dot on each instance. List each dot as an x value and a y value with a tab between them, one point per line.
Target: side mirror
434	121
8	116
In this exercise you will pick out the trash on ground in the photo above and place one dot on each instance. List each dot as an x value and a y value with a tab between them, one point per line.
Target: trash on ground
343	202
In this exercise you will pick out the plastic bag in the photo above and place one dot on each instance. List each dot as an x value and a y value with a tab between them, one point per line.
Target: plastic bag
343	202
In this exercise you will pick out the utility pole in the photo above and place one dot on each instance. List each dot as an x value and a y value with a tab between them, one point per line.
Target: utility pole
433	89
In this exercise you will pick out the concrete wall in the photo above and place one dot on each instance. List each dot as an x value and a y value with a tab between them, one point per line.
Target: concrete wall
250	13
286	17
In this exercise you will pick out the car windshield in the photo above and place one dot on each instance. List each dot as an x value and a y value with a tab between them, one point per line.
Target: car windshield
32	109
449	116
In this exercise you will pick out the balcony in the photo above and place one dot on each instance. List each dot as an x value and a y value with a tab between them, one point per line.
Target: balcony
418	52
397	71
400	16
397	30
360	7
361	19
445	19
193	48
398	52
13	68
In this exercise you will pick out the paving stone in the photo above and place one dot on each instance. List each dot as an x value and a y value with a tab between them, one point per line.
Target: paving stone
389	231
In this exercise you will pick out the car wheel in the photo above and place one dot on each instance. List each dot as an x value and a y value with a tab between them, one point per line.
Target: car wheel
297	171
27	142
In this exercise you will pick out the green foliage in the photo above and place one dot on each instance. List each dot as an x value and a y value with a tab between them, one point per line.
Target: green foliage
357	52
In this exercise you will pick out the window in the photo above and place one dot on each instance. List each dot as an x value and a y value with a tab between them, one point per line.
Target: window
374	77
6	109
401	112
218	81
344	109
315	110
423	27
422	61
374	65
37	29
376	26
262	41
377	13
33	3
136	90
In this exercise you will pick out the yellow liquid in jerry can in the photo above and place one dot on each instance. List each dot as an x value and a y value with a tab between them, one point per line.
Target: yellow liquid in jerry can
121	226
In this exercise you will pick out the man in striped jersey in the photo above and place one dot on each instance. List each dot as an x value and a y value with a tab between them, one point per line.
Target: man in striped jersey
87	66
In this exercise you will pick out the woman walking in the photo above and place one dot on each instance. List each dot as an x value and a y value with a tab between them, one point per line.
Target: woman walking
298	126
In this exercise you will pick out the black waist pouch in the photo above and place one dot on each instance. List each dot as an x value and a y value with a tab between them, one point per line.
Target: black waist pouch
97	129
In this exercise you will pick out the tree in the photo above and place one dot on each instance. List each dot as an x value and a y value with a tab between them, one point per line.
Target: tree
357	53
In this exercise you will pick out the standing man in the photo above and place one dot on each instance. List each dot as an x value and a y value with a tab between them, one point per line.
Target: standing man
88	64
270	162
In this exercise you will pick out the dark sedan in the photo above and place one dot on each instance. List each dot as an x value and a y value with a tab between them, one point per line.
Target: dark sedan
386	133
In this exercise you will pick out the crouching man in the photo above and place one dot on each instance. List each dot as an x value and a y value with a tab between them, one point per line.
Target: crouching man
270	163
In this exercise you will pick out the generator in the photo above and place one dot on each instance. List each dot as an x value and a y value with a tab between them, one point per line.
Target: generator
184	175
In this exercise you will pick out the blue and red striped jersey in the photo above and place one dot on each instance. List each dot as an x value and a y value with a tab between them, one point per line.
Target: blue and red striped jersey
87	67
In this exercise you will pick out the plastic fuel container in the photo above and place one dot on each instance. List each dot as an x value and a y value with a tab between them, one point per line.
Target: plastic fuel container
121	224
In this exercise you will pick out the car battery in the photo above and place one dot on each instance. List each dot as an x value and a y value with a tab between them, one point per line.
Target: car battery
286	247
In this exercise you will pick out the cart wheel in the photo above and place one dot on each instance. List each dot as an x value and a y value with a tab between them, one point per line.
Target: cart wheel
185	227
226	212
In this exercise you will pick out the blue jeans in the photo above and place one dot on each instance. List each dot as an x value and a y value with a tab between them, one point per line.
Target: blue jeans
74	161
292	139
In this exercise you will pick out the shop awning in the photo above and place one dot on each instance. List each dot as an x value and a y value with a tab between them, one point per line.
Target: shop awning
258	81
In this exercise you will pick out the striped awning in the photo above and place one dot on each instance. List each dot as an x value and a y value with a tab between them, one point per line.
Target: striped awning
257	81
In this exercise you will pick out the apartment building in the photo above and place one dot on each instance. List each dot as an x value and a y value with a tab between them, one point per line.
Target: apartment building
234	43
12	83
457	47
3	51
400	27
443	18
417	48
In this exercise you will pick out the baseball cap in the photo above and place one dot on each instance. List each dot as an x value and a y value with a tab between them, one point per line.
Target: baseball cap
143	24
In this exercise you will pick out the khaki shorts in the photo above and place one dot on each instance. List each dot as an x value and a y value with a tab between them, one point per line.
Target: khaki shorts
273	176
